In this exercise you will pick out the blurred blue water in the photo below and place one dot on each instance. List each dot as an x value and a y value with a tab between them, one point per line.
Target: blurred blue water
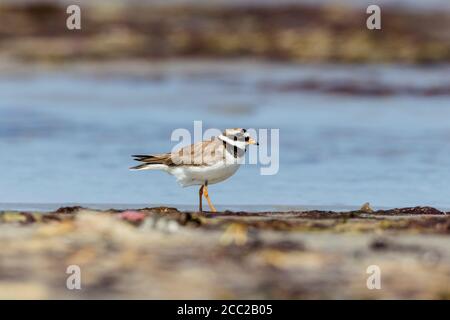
67	136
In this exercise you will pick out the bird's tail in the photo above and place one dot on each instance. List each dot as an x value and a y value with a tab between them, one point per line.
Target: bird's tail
147	166
150	162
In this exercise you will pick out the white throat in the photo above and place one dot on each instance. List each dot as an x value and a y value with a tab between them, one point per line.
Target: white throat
239	144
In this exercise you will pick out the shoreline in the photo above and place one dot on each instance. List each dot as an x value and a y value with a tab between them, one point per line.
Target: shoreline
46	208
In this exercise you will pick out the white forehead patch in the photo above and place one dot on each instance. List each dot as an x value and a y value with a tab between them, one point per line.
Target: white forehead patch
236	131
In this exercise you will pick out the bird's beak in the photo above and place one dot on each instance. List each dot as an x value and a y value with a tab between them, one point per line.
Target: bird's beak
252	141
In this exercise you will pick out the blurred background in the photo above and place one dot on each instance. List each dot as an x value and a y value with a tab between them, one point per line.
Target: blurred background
363	114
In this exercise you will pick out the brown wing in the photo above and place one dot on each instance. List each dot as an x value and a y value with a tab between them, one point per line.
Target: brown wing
199	154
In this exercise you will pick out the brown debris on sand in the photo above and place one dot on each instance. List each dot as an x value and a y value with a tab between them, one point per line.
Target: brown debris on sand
69	209
412	211
166	253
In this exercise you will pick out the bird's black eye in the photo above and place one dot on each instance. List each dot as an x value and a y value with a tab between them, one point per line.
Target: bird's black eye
247	139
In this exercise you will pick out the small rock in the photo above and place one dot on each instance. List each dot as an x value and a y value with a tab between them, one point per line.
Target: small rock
235	233
74	209
160	224
132	216
162	210
366	208
13	217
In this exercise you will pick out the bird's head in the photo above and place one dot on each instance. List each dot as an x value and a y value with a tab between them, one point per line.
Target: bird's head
239	135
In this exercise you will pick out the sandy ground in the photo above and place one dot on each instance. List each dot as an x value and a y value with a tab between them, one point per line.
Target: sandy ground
164	253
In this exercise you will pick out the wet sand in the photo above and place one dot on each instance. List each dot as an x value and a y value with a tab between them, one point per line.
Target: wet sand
165	253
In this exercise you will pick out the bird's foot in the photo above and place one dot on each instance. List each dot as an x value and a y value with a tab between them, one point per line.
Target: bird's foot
206	194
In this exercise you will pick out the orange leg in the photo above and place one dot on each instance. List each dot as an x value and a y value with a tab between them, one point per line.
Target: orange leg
200	193
205	193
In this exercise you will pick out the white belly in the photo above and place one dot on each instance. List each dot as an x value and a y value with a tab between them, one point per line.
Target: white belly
197	175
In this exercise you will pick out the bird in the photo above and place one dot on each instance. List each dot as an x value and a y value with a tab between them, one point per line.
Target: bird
203	163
